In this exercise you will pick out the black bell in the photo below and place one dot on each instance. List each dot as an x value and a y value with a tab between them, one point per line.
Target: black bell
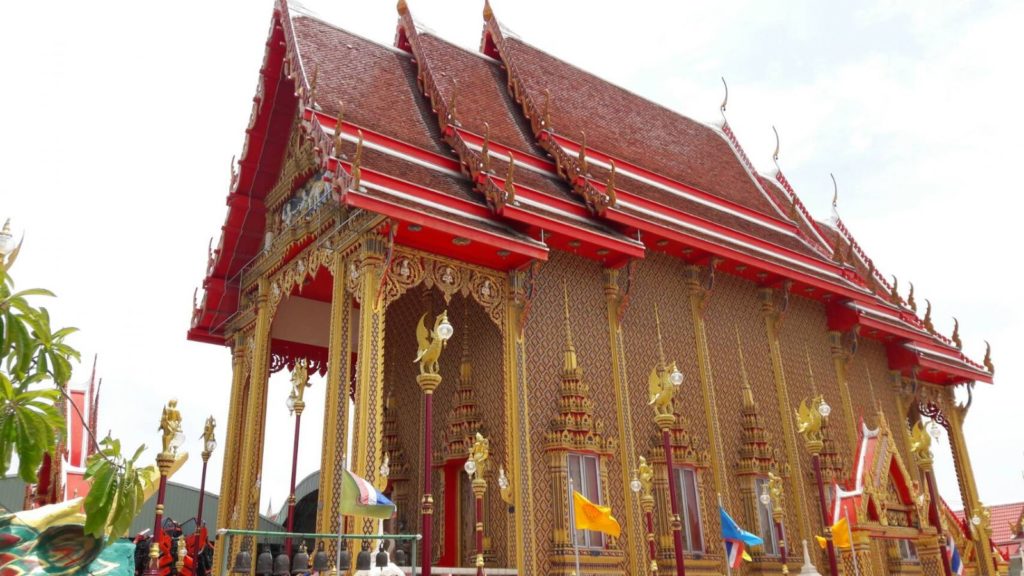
281	565
320	561
243	562
345	561
382	558
300	563
400	558
265	562
363	560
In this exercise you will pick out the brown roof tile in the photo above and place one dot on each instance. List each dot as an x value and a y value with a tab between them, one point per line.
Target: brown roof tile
624	125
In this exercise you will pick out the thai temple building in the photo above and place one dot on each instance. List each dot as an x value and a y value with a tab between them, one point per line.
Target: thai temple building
635	308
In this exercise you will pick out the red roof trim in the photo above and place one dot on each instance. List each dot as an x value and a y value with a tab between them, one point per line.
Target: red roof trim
404	213
370	136
721	203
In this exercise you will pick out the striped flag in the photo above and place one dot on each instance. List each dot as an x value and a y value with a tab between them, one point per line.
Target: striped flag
956	565
735	539
360	498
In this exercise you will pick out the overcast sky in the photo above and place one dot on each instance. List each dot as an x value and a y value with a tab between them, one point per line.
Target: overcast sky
118	121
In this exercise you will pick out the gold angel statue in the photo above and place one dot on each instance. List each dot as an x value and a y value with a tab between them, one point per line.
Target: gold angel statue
170	424
208	433
645	474
661	390
431	342
480	451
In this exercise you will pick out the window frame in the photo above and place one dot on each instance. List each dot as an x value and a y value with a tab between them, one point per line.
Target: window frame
908	550
588	539
691	544
771	547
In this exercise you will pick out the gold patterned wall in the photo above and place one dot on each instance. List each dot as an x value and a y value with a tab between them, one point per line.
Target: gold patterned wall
545	342
485	352
658	279
733	312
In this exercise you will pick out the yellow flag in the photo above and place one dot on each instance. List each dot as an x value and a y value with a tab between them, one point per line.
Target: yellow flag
590	516
840	535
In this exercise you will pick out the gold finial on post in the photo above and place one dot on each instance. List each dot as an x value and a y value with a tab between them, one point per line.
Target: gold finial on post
170	425
300	381
431	343
570	367
209	438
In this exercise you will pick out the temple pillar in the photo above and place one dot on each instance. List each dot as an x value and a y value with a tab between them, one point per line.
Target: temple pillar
773	311
842	353
369	383
698	290
336	398
251	458
980	533
226	516
633	532
519	449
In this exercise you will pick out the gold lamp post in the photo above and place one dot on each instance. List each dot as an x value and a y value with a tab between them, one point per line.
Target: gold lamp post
172	438
643	478
475	467
295	403
809	419
209	445
662	385
430	345
772	499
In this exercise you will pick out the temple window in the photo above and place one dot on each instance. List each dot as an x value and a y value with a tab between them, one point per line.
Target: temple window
766	524
689	496
908	551
586	479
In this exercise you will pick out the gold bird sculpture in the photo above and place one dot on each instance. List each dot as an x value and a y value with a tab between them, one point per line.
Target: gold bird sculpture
430	343
920	442
808	419
661	390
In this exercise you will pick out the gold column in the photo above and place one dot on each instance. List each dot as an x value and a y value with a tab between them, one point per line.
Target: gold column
255	419
698	289
336	397
236	423
627	445
773	314
841	356
369	387
980	533
519	423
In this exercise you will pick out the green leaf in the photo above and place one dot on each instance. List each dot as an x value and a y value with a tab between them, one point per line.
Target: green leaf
99	500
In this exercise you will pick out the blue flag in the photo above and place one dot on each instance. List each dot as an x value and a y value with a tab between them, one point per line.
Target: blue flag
732	531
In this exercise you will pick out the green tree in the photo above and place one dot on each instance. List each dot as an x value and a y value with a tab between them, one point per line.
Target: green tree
35	367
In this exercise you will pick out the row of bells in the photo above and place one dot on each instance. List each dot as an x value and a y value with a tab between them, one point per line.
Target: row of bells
269	565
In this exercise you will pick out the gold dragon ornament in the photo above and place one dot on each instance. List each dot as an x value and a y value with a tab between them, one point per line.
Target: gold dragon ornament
431	342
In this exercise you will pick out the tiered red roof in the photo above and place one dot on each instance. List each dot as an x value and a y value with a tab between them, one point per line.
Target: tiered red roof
500	156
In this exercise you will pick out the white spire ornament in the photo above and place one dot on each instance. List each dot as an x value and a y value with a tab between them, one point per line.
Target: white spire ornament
808	568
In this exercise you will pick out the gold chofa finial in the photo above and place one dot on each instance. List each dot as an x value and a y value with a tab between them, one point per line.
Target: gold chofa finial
357	172
775	155
488	13
956	334
485	149
510	187
725	99
910	298
546	115
403	8
928	316
835	192
988	358
583	153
